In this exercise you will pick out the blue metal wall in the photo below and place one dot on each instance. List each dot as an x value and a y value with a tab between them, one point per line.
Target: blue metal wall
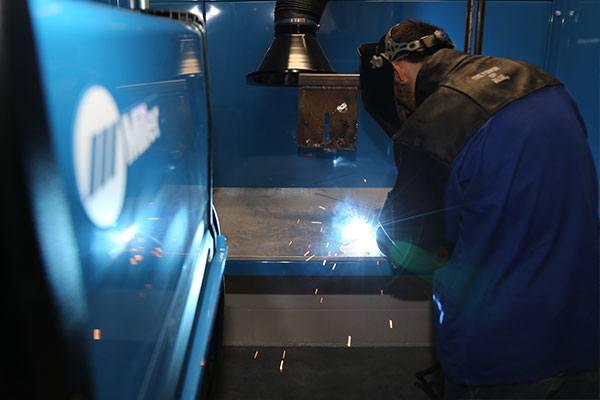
255	126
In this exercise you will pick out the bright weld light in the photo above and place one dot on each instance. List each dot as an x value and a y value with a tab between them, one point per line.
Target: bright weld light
361	234
128	234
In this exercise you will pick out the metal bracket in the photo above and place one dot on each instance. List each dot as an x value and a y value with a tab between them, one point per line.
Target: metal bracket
327	111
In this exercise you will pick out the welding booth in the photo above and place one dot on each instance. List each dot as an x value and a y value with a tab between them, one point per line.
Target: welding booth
144	133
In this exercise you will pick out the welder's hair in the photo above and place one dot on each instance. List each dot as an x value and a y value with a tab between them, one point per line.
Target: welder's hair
409	30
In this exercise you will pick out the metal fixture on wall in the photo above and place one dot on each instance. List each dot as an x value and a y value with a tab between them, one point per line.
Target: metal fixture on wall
295	48
327	111
479	26
469	46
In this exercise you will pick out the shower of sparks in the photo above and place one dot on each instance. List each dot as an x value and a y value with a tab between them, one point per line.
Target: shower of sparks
324	262
316	222
307	253
283	355
349	341
316	291
310	258
333	268
290	243
391	324
281	366
256	354
97	334
321	300
322	208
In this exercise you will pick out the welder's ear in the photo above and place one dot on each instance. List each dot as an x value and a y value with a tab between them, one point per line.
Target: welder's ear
401	72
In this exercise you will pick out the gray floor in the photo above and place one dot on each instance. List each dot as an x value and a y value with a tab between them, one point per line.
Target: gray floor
311	373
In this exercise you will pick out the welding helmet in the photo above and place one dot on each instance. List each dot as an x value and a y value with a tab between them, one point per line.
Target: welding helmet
377	74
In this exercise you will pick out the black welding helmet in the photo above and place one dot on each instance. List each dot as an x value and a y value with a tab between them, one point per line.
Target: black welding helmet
377	73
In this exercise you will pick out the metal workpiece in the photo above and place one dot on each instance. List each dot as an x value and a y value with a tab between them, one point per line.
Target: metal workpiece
319	225
327	111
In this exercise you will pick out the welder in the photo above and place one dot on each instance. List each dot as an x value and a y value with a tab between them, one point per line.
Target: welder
496	198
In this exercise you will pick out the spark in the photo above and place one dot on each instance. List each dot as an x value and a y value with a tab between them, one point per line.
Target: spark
290	243
408	218
97	334
203	362
381	292
297	221
152	219
349	341
316	291
283	355
322	208
281	366
377	263
327	245
310	258
138	257
333	268
316	222
256	354
321	300
307	253
321	229
133	261
324	262
391	324
365	180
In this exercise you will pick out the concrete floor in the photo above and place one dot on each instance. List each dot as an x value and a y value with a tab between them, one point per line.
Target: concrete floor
311	373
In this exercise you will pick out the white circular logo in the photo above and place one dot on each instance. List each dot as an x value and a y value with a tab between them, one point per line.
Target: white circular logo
99	162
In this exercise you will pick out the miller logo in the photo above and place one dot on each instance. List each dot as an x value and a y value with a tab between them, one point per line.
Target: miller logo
105	143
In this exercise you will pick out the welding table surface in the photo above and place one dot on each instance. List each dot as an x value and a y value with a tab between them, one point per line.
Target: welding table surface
260	223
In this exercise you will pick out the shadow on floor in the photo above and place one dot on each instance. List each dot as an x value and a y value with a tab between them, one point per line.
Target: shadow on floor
312	373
